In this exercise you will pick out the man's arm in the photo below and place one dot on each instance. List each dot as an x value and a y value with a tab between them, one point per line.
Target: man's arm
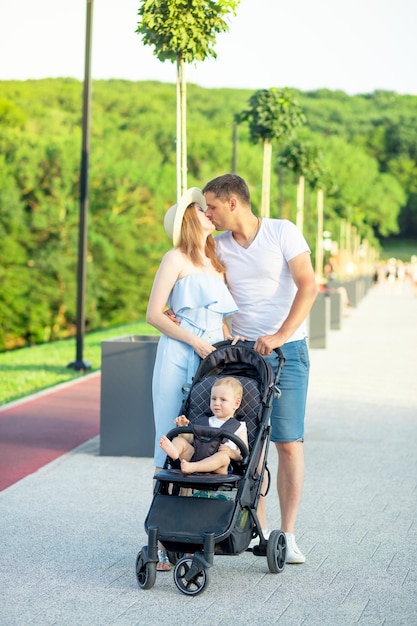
303	275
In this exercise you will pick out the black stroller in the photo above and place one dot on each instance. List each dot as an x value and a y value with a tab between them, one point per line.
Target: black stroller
197	516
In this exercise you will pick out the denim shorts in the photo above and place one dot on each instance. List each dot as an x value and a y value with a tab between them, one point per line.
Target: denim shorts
288	411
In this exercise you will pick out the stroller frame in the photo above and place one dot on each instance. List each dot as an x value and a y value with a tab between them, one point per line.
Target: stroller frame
223	520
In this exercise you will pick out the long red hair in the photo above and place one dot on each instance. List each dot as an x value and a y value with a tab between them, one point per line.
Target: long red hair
191	235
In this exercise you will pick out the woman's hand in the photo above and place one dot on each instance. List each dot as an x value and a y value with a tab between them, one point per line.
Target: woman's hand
202	347
236	338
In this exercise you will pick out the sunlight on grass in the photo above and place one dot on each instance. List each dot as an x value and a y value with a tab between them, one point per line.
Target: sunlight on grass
29	370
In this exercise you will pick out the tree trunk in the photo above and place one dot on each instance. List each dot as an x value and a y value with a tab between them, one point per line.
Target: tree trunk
183	88
319	238
280	192
266	179
300	203
178	141
234	149
181	128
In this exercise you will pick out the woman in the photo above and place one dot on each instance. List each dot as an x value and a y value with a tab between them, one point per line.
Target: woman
191	281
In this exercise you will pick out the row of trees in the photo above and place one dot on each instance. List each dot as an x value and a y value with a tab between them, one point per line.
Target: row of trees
361	149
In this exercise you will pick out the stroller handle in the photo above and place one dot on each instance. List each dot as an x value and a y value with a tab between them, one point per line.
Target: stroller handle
250	344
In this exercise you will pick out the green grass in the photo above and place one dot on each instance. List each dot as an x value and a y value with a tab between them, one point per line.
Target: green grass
401	249
28	370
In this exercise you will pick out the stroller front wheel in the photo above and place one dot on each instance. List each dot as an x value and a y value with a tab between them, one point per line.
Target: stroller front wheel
187	580
276	551
145	573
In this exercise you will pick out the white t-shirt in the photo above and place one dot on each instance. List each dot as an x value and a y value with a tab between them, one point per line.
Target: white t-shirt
259	277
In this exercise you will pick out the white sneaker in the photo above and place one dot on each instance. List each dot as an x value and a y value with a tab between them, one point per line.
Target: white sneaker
294	555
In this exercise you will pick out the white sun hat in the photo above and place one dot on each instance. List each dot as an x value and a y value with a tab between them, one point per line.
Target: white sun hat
174	216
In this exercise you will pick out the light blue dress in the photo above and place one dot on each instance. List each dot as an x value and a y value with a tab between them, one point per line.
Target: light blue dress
199	301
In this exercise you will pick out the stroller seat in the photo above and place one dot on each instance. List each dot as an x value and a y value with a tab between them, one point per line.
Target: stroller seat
198	402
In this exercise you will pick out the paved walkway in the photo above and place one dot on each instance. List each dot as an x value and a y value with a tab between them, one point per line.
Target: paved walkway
70	532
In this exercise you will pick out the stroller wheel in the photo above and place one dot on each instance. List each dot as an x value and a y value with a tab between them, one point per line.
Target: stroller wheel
189	582
145	573
276	551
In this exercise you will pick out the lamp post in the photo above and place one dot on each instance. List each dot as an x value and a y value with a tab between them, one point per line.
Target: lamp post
79	363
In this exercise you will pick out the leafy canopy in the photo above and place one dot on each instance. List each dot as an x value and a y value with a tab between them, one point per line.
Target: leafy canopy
272	114
184	29
305	159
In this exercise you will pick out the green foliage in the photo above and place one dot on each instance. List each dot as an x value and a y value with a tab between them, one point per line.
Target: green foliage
358	139
305	159
30	370
272	114
183	29
10	115
364	195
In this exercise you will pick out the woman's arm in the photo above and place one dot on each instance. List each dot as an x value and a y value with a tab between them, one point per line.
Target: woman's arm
167	275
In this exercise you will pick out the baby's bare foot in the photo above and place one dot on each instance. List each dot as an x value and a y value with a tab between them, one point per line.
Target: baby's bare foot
186	467
168	447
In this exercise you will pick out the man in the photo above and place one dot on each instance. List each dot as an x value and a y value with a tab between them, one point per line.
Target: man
270	276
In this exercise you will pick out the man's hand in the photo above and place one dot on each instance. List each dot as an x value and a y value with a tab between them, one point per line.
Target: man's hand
170	313
266	344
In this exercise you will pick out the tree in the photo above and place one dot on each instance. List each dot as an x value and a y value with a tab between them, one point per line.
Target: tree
365	196
40	137
183	31
306	161
271	114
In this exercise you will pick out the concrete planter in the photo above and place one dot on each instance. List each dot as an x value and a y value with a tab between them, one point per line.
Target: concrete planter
319	322
126	411
336	310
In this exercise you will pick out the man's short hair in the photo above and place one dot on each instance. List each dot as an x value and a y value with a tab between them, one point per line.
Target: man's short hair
228	185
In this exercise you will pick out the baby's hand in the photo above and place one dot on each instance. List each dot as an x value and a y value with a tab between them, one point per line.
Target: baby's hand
182	421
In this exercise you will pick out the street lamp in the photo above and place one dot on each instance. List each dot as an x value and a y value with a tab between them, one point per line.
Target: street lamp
79	363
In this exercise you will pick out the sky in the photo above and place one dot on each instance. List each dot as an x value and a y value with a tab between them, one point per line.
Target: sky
357	46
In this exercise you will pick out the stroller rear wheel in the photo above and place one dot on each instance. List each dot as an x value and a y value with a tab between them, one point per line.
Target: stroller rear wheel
276	551
188	581
145	572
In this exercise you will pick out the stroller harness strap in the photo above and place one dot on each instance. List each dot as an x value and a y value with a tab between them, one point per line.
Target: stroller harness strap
207	439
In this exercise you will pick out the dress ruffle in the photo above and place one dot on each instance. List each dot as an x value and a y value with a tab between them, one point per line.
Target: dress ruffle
201	291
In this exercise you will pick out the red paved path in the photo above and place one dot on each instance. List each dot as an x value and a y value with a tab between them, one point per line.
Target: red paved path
38	430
